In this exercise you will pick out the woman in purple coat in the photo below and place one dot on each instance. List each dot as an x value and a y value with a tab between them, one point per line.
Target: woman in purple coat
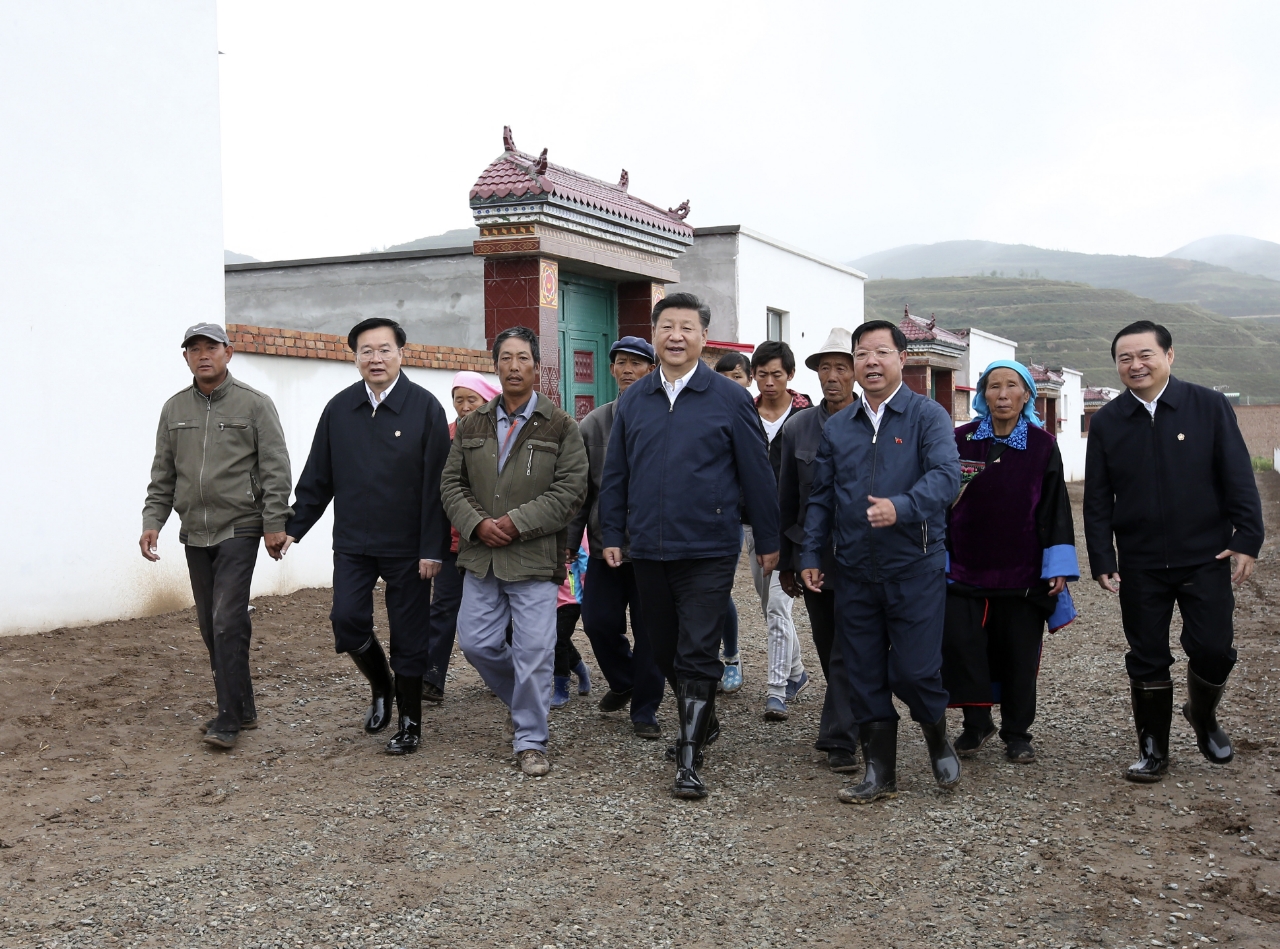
1011	549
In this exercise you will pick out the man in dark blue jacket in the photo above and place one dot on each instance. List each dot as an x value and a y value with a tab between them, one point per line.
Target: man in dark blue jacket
887	468
378	453
687	463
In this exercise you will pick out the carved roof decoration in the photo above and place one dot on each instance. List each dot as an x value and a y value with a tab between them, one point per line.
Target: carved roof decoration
919	330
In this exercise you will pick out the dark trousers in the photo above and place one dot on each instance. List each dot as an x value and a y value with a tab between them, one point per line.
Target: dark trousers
1205	600
837	728
684	606
1008	632
446	597
408	607
567	655
890	635
607	593
220	578
729	641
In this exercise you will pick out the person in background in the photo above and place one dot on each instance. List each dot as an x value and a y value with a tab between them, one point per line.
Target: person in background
215	437
735	366
568	612
1011	549
773	365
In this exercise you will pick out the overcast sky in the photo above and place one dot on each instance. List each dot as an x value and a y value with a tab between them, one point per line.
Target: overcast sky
843	128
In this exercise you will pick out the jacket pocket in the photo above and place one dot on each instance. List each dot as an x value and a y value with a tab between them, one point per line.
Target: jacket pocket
539	458
233	424
186	425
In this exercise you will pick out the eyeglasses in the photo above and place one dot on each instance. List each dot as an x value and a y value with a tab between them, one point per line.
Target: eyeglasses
862	355
366	353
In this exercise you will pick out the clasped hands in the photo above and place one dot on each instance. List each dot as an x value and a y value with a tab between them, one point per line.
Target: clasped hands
497	531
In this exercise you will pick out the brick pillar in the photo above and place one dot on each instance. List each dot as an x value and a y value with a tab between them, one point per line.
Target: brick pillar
525	291
917	379
943	391
636	300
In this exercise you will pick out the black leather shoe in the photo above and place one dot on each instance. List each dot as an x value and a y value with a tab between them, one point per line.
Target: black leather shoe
648	730
1152	716
409	705
615	701
221	739
245	725
372	662
432	693
880	751
842	761
1201	711
1020	752
695	700
974	735
943	757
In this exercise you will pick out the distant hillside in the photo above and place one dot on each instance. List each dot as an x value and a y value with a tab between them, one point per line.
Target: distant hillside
1167	279
1246	254
459	237
1072	324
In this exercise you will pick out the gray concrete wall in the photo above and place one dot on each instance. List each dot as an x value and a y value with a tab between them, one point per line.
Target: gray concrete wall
709	269
438	299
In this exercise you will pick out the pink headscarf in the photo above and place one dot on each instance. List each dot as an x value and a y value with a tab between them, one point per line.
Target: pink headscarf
476	383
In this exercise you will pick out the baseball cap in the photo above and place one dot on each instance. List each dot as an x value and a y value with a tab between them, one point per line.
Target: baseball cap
208	330
634	345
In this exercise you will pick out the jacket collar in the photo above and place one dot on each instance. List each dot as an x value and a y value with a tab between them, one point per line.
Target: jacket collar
223	387
544	406
898	401
1169	398
701	378
394	400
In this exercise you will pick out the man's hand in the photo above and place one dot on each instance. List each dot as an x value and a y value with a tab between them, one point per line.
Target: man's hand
275	541
288	542
508	527
490	534
147	542
882	513
1244	565
790	583
1109	582
428	569
812	577
768	562
570	555
613	556
1057	585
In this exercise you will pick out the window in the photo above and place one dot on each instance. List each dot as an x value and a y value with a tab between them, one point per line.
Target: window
776	325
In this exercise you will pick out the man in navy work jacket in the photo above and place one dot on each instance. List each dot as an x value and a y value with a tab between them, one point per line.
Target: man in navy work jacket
687	459
887	468
378	453
1168	474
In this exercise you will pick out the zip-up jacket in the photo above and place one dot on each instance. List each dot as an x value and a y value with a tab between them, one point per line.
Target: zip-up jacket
1175	490
596	429
221	462
796	450
912	461
680	478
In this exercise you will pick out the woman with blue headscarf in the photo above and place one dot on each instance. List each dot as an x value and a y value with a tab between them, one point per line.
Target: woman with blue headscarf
1011	547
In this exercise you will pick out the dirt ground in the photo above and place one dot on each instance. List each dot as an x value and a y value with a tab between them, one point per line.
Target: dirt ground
119	827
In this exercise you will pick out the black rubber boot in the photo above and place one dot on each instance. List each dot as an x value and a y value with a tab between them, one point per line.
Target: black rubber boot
409	705
1201	711
880	751
1152	716
943	757
372	662
695	701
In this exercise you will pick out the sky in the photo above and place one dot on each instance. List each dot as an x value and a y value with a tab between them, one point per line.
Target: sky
842	128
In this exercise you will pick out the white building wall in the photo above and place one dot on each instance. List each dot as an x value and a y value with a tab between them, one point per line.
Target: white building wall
111	237
1071	442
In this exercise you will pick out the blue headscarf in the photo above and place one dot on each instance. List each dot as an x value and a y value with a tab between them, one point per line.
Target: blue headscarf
980	406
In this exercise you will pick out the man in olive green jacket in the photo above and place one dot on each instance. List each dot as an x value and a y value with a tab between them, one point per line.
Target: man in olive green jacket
222	464
516	475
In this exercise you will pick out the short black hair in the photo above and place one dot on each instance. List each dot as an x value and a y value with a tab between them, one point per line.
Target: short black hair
518	332
1163	336
682	301
373	323
899	337
734	360
770	350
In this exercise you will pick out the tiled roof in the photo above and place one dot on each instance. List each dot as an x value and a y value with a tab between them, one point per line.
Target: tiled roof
1041	374
1098	395
515	174
919	330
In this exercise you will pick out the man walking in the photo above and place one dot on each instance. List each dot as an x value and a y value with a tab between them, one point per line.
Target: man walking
686	456
633	676
886	470
1168	475
222	464
516	475
797	450
378	452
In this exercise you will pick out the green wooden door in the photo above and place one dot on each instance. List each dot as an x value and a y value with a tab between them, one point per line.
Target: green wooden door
588	326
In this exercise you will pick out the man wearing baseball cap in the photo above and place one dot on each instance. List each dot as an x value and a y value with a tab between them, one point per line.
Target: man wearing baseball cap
222	464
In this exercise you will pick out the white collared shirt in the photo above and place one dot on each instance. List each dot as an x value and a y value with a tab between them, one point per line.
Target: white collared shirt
1150	406
673	388
877	415
373	396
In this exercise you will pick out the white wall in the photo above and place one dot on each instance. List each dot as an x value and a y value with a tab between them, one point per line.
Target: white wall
111	240
1071	410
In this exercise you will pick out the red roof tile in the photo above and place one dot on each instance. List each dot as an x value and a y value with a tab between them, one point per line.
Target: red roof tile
917	329
1041	374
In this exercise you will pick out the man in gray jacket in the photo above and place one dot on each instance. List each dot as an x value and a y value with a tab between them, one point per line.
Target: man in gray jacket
222	464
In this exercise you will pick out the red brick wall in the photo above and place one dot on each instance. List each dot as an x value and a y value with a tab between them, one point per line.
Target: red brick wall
1260	425
513	297
917	379
272	341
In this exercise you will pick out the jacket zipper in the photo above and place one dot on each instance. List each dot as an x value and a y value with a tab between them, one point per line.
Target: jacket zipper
529	467
875	567
1155	451
204	455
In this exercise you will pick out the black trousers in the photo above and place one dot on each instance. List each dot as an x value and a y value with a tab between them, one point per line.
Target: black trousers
446	597
684	606
408	607
837	729
607	593
567	655
220	579
1204	598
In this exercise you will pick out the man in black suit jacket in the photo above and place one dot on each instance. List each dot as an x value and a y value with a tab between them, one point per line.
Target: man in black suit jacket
378	453
1168	474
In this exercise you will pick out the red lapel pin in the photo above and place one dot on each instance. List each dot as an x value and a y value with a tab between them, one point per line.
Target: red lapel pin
898	440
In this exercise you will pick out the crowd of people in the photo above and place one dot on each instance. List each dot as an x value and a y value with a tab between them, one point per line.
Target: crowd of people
931	558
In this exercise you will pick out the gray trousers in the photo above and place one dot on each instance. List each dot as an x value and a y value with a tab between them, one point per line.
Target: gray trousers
785	662
519	673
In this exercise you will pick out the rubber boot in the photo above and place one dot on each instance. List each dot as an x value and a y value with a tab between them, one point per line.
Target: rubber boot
1201	708
1152	716
559	691
372	662
943	757
584	678
880	751
409	705
695	702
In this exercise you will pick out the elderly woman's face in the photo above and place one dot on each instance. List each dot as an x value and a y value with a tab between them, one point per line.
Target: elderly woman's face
1006	394
466	401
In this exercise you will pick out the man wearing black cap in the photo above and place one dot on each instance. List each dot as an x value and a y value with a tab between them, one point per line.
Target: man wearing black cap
216	436
633	676
378	452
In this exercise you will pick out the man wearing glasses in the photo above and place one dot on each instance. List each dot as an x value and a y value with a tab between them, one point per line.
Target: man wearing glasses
378	453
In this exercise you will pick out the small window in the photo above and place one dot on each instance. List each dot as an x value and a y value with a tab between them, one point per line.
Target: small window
776	325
